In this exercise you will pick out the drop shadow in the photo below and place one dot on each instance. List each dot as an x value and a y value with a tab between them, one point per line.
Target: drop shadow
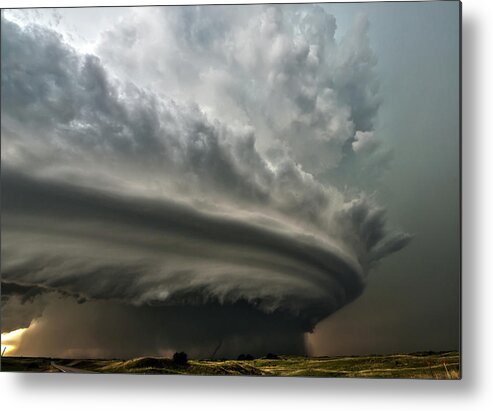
471	224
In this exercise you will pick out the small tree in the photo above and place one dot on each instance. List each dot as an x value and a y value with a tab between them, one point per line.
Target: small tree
180	358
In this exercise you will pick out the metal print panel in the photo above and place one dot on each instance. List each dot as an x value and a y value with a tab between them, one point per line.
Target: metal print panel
268	190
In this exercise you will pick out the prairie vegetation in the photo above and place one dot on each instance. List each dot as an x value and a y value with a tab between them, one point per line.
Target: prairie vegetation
444	365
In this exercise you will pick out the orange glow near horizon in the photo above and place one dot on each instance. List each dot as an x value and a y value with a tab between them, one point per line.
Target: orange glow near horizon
10	341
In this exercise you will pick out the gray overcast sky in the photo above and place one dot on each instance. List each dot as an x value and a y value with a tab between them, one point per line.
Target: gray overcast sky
251	152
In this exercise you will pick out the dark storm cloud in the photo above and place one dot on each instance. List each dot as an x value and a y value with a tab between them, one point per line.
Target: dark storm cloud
28	292
316	278
145	207
113	330
25	292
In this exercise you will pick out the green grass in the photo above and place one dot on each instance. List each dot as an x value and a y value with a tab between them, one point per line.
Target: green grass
443	365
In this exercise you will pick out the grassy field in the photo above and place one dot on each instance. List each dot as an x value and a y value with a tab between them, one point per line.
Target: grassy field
443	365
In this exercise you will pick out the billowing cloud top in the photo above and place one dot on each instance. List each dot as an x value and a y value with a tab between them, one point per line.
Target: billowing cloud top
176	165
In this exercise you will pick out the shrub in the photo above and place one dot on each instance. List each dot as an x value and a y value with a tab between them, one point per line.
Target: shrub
271	356
180	358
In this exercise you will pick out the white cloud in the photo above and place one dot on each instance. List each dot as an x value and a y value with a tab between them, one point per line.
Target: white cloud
276	69
365	142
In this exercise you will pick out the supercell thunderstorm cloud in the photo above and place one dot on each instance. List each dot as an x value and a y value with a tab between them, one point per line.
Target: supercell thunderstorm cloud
162	191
